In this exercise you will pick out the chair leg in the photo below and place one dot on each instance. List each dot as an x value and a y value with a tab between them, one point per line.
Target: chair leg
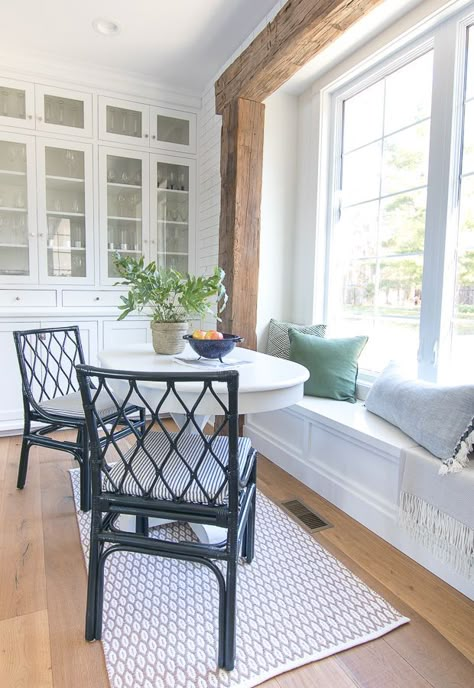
229	630
23	466
141	527
92	587
85	471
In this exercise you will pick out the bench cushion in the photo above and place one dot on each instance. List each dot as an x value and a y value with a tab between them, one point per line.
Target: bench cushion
142	480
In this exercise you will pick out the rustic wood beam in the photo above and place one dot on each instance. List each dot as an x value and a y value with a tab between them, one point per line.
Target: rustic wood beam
300	30
239	229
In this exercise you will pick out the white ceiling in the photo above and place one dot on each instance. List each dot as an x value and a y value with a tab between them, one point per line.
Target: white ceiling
180	44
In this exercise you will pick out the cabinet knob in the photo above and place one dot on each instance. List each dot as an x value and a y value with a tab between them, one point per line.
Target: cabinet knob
32	234
145	241
146	136
41	234
40	118
17	298
97	298
30	116
153	137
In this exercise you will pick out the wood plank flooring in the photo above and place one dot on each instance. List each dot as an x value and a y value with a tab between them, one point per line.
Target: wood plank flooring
43	587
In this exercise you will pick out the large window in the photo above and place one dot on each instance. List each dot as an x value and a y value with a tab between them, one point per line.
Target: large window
401	226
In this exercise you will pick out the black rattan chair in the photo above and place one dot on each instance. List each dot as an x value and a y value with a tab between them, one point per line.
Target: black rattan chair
51	396
180	476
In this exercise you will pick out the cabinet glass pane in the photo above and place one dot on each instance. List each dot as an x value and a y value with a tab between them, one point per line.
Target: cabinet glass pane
65	208
12	103
124	208
173	216
64	111
14	248
123	121
172	130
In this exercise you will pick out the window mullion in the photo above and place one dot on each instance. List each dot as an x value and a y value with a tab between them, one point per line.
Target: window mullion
439	248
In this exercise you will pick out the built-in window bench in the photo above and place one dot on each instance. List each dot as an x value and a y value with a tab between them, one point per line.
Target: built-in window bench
352	458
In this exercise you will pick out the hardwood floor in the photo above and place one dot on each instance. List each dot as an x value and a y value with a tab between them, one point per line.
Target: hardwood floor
43	585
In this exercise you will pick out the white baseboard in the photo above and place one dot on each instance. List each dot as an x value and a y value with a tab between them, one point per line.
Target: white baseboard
360	502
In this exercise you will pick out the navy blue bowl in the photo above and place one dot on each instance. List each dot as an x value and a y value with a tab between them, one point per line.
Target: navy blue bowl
213	348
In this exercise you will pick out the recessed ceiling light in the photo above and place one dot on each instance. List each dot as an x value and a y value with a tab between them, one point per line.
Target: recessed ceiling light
105	27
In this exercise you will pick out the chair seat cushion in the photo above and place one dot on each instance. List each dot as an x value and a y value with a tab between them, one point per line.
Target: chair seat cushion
70	405
190	474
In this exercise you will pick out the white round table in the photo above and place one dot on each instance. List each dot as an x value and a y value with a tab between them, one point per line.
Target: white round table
266	383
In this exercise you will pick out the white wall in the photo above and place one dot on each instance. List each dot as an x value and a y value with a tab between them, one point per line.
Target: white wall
209	180
277	235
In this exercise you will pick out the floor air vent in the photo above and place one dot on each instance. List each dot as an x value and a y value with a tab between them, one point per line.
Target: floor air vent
305	517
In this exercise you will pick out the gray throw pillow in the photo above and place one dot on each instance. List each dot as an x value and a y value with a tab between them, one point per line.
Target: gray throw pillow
279	338
440	418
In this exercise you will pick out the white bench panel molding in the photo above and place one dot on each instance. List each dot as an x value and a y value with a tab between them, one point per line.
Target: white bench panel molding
351	458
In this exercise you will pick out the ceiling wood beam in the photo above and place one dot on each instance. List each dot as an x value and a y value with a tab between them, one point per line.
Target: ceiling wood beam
300	30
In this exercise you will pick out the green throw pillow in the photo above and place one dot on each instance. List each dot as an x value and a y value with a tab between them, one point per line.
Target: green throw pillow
332	364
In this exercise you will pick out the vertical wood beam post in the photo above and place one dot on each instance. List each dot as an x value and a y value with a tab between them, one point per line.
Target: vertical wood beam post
239	229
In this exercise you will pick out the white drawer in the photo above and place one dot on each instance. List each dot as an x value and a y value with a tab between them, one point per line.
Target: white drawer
27	297
91	298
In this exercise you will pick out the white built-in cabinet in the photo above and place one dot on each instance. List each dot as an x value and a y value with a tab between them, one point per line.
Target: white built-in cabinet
123	121
84	177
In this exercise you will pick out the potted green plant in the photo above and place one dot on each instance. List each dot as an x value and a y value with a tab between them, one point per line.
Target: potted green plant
172	297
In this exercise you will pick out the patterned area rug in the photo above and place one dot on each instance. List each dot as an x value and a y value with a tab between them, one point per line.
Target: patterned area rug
296	603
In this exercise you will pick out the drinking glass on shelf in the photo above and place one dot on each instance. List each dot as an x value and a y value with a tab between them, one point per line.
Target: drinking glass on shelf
172	180
181	180
75	206
58	205
124	177
70	162
61	112
137	178
121	204
111	175
20	200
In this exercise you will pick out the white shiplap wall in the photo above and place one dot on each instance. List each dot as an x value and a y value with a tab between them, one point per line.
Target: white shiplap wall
209	140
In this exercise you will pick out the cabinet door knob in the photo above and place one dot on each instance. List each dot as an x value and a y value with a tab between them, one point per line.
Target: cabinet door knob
39	118
30	116
97	298
145	241
153	137
32	234
17	298
41	234
146	136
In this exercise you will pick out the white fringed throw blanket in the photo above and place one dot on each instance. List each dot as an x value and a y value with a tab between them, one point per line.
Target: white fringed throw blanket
437	510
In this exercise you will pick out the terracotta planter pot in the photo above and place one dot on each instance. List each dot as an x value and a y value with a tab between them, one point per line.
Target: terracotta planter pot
168	337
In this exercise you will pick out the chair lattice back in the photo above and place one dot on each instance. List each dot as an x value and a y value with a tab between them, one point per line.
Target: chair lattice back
151	465
48	359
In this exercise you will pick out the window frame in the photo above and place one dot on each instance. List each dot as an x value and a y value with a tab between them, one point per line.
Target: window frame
448	40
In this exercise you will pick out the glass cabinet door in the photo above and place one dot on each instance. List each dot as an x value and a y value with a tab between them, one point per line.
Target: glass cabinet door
173	129
172	212
124	206
63	111
17	104
65	211
121	120
18	247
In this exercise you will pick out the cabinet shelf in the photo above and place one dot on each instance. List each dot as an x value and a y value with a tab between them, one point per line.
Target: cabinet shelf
12	173
14	210
124	250
172	222
123	185
66	249
14	246
178	191
64	213
124	219
172	253
72	180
